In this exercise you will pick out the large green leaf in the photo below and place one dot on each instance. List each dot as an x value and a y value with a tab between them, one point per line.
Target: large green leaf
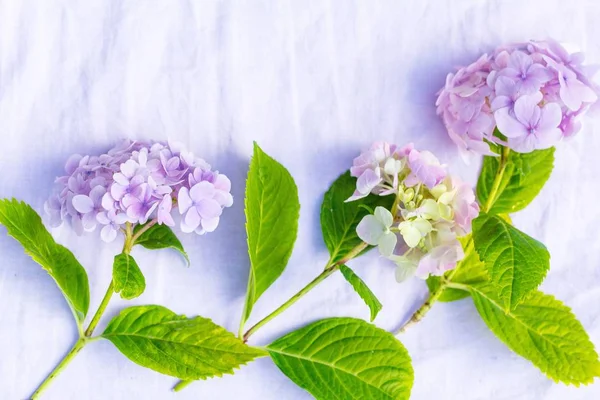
187	348
542	330
523	179
517	263
363	290
127	277
26	226
345	358
160	237
340	218
272	212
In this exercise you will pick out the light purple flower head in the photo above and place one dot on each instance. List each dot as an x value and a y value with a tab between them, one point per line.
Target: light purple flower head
136	182
379	169
433	209
534	93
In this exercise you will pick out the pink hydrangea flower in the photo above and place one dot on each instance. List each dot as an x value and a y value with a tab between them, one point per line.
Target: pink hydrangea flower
135	182
378	169
433	210
533	92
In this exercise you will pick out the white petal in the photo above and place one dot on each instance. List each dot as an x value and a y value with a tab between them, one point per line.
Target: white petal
370	230
405	270
411	235
384	216
108	234
387	244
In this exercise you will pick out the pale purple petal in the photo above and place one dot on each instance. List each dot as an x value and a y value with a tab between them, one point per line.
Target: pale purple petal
508	125
108	234
202	190
83	204
192	218
368	181
184	201
208	208
210	224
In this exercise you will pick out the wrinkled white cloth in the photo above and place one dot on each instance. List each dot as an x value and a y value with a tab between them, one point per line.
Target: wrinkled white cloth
314	82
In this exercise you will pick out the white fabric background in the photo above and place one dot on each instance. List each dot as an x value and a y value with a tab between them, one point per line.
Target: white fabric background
313	82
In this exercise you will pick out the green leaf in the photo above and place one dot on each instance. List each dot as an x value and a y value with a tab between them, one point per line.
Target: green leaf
160	237
345	358
26	226
339	219
523	179
272	212
542	330
517	263
127	277
363	290
187	348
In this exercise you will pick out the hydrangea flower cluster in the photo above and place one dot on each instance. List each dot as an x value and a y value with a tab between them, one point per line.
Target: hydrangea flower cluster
137	182
534	93
432	209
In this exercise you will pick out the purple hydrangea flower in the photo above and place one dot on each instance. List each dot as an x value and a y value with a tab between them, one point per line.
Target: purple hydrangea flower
136	182
489	93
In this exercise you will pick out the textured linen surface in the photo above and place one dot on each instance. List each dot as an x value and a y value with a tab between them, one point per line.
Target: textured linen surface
314	82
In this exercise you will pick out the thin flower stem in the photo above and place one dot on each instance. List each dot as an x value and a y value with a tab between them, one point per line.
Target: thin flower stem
85	338
149	225
129	241
81	342
492	196
330	269
324	275
181	385
103	304
447	281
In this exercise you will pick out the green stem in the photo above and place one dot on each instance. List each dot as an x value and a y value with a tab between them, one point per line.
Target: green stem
84	338
81	342
103	304
497	180
329	269
142	230
324	275
447	280
129	242
181	385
